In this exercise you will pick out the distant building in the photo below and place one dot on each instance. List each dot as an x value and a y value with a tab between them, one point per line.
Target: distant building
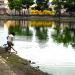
3	6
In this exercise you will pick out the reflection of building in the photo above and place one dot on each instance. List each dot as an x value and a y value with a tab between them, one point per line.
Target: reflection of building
3	6
42	23
21	23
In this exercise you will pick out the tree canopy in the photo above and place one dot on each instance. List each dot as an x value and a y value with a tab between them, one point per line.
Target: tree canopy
18	4
27	2
15	4
67	4
42	4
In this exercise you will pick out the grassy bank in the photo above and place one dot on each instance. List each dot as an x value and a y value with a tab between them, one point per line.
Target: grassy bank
18	65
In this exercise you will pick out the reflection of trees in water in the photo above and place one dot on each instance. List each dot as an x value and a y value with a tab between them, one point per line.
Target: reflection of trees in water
41	33
21	28
72	30
65	35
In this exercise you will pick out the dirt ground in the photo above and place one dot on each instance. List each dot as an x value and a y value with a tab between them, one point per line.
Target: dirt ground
11	64
4	68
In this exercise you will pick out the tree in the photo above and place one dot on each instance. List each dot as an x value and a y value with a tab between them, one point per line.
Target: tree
58	6
42	4
18	4
11	4
15	4
27	2
69	5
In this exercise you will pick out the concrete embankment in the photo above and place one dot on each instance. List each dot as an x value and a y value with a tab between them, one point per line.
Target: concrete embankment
37	17
4	68
11	64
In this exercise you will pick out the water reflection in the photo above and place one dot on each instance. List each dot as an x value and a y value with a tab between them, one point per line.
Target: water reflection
24	28
41	23
51	57
41	33
21	28
64	33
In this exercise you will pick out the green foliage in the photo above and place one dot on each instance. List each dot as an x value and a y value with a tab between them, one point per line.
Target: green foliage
15	4
18	4
11	4
68	4
27	2
42	4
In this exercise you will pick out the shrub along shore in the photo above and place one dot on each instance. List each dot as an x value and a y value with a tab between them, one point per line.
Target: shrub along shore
20	66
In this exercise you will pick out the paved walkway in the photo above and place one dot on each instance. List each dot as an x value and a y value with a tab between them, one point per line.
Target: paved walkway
4	68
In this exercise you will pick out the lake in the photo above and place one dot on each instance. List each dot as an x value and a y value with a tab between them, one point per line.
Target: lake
51	45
